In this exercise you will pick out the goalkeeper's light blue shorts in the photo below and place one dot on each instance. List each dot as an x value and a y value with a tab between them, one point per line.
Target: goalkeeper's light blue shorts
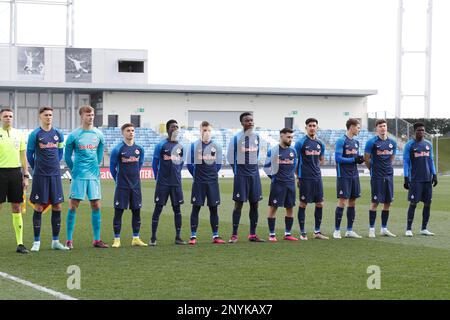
80	187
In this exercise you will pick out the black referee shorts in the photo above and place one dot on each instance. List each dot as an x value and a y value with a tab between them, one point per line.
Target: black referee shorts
11	187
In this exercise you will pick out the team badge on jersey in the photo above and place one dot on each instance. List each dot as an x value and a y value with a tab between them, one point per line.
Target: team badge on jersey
179	151
391	146
137	152
291	154
56	138
318	146
427	147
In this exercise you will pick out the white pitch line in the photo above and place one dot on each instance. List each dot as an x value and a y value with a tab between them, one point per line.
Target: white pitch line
56	294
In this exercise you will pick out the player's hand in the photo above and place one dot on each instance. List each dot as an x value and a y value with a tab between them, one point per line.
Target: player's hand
406	184
435	181
359	160
25	183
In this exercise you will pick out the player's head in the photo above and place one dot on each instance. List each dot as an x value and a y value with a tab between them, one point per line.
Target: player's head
353	126
286	136
46	115
173	129
381	127
205	131
7	117
419	130
87	114
128	131
312	125
246	120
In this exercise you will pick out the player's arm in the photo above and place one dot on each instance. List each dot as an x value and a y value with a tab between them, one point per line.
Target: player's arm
322	154
432	166
268	163
395	151
31	149
60	145
190	156
406	164
231	152
141	158
368	153
114	161
100	149
68	151
156	159
219	157
23	159
338	157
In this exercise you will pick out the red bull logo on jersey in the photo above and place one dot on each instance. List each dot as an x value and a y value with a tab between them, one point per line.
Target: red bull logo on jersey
385	152
312	152
130	159
206	157
87	147
49	145
351	152
421	154
285	161
172	157
250	149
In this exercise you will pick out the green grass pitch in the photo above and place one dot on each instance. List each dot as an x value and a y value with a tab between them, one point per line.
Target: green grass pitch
411	268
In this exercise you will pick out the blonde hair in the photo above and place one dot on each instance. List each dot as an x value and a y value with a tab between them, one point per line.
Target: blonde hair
85	109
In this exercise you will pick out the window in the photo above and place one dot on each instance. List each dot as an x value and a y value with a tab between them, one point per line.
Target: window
131	66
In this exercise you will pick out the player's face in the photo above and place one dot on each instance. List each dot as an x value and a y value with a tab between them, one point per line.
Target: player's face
286	139
206	134
173	128
382	129
247	123
311	128
420	133
46	117
7	118
88	118
128	133
355	129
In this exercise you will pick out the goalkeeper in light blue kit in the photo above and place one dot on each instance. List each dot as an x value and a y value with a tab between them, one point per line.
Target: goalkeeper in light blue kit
87	143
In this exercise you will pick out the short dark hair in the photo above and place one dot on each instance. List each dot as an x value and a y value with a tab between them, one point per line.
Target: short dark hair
126	125
168	123
6	110
309	120
352	122
380	121
286	130
244	115
418	125
46	108
205	124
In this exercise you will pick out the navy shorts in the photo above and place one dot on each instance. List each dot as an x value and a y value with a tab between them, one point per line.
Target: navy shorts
382	189
311	190
348	188
47	190
247	188
162	193
128	198
420	191
200	191
282	194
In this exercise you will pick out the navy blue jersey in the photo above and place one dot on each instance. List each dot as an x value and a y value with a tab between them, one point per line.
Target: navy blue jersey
45	151
243	154
281	163
381	153
204	161
309	151
125	165
345	156
168	160
418	161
